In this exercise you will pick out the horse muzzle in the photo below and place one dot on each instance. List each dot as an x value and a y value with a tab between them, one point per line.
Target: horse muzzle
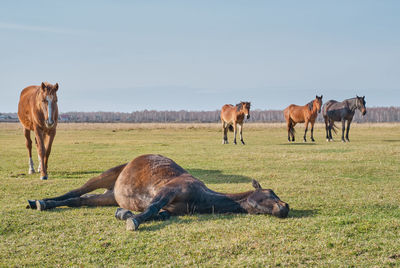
281	210
248	116
364	112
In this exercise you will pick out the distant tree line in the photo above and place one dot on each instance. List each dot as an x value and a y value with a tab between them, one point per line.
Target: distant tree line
374	115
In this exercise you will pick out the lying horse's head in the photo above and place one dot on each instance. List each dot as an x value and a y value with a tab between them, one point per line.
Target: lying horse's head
360	104
265	201
244	107
47	102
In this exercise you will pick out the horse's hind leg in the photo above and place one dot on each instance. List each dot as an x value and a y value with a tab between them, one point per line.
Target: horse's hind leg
105	180
124	214
225	134
326	128
28	143
95	200
343	129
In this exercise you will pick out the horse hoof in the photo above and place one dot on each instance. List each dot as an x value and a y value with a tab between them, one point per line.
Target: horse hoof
43	178
132	224
32	204
40	205
123	214
31	171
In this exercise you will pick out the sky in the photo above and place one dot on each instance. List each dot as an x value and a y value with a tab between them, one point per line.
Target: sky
198	55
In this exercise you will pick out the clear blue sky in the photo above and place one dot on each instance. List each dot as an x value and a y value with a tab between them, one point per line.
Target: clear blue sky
198	55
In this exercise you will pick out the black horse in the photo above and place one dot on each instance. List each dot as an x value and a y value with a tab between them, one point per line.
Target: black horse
341	111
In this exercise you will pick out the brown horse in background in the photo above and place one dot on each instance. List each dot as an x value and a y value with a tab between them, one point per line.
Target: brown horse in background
302	114
38	111
231	116
150	183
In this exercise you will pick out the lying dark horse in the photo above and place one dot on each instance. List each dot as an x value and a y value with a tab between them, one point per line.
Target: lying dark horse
151	183
341	111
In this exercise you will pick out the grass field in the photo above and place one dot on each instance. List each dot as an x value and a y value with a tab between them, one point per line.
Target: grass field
344	198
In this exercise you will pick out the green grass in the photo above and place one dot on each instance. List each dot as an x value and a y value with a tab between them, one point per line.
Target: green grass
344	199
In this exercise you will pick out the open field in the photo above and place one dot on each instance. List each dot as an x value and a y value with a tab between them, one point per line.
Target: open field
344	198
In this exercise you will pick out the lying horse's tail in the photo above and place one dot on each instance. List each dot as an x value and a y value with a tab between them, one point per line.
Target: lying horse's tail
230	128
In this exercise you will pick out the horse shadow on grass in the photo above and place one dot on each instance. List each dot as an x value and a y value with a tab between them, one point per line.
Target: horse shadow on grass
216	176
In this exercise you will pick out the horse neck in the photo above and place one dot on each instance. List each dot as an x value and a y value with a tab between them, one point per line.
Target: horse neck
352	104
225	202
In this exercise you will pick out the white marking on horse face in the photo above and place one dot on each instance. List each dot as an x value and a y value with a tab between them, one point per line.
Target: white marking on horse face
49	108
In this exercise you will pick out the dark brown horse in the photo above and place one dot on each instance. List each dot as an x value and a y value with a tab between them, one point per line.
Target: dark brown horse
38	111
302	114
231	117
342	112
150	183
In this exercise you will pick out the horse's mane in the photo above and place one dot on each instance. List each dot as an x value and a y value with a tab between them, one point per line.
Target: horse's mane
310	105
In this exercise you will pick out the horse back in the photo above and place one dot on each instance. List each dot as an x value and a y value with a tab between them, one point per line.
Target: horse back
228	112
26	106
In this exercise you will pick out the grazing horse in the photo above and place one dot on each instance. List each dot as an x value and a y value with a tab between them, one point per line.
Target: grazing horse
231	116
38	111
341	111
150	183
302	114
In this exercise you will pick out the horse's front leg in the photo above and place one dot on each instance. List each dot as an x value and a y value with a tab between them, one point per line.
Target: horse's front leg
41	153
343	129
159	201
312	131
305	131
28	143
124	214
234	132
348	129
48	143
240	133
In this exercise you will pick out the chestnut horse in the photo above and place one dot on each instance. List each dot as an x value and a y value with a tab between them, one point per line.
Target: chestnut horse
302	114
38	111
231	117
150	183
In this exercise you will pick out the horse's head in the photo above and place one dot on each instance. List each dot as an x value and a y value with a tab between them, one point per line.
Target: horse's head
48	103
318	103
360	104
245	108
265	201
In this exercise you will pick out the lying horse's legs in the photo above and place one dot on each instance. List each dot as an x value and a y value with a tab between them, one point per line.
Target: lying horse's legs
343	128
106	199
124	214
348	129
105	180
160	200
240	132
28	143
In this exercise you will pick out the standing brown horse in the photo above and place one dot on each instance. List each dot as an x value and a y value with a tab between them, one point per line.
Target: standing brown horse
38	111
231	116
150	183
302	114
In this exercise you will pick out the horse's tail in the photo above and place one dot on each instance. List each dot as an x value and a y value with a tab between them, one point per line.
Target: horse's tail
230	128
334	127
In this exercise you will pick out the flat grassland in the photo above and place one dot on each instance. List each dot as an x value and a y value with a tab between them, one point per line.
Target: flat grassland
344	198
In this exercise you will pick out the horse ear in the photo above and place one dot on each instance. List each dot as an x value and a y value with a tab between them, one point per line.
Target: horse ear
321	97
43	86
363	97
310	106
256	184
56	87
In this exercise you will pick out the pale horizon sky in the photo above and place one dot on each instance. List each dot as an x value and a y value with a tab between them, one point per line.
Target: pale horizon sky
126	56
